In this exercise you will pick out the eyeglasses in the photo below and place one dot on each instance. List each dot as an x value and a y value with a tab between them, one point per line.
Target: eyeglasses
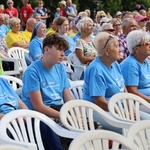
144	44
110	37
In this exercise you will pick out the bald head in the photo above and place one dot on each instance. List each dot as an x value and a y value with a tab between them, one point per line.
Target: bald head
30	24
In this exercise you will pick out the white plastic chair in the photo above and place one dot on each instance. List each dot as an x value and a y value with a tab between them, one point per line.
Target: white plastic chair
19	53
139	133
14	122
77	115
12	147
76	68
14	81
16	71
76	89
100	139
126	106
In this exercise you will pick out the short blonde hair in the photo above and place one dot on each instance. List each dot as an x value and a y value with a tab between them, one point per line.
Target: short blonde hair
13	21
100	42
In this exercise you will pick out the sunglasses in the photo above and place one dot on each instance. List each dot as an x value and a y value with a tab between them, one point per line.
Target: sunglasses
101	16
110	30
110	37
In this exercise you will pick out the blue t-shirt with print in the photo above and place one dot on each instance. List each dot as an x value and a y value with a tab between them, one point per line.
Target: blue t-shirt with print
100	80
136	74
36	48
8	97
51	83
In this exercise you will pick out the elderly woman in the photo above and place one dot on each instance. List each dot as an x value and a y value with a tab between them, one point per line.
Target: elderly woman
137	78
35	46
103	77
14	37
117	25
85	51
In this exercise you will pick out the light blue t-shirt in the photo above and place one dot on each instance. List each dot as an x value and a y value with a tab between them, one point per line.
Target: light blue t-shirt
36	48
136	74
51	83
8	98
100	80
71	44
3	30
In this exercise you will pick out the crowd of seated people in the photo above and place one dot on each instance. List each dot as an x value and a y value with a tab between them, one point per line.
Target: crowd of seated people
108	46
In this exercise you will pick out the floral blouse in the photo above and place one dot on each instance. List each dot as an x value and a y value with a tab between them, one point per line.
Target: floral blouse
87	47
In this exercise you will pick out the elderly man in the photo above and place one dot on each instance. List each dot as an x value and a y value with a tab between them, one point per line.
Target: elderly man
128	25
29	27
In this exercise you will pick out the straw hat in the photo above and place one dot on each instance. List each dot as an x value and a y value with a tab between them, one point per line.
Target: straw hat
63	2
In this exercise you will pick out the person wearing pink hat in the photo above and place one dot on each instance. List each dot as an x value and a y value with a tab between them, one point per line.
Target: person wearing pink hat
141	21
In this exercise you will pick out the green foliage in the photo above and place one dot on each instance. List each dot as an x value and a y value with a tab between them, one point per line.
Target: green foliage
111	6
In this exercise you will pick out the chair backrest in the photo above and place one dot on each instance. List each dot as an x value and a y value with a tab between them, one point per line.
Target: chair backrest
139	133
101	140
76	89
14	81
12	147
126	106
77	115
78	69
24	126
19	53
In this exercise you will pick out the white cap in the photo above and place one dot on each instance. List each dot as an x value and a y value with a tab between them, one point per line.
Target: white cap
105	20
9	1
118	13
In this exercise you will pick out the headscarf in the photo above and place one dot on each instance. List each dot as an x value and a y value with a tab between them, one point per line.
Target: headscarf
36	27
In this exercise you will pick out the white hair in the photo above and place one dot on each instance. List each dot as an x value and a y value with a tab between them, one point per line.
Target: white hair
83	23
134	38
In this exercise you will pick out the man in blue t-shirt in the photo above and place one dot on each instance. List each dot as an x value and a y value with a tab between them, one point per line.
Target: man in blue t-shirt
45	83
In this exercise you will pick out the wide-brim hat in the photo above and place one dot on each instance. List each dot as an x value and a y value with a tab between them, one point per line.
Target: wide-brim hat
141	18
63	2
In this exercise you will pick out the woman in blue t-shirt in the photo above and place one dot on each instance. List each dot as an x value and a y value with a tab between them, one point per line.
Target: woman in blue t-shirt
103	77
137	78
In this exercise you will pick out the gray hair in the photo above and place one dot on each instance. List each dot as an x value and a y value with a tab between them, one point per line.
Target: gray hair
135	37
13	21
100	41
83	23
126	22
